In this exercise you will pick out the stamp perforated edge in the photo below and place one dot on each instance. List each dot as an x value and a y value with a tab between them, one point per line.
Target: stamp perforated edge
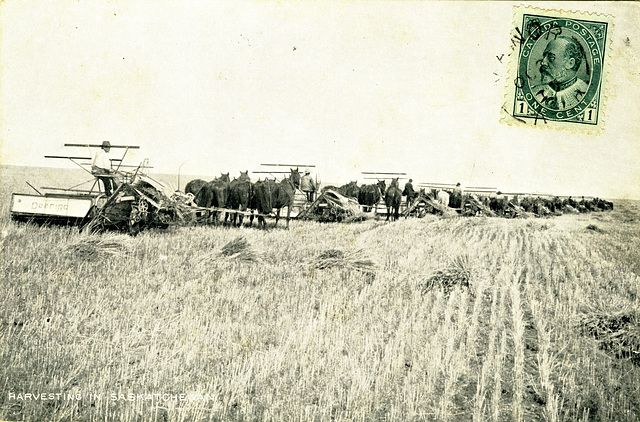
512	73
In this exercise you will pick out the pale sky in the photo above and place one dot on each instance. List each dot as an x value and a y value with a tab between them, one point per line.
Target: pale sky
350	86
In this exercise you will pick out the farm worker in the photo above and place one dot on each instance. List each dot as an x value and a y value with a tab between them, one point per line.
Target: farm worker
456	197
101	167
307	185
408	191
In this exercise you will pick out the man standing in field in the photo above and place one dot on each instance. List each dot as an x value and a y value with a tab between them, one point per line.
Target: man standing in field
409	192
307	185
101	167
456	197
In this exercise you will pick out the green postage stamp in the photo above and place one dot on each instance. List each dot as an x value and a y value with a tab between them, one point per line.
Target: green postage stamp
558	70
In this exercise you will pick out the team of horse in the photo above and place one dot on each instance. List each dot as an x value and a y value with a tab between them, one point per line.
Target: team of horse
241	195
264	196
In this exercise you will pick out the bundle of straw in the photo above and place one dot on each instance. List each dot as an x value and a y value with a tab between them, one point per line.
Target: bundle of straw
97	247
594	228
617	331
457	273
355	260
238	250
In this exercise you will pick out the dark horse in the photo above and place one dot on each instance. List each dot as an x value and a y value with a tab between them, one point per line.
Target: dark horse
194	186
392	199
240	193
220	189
212	194
370	195
350	190
269	195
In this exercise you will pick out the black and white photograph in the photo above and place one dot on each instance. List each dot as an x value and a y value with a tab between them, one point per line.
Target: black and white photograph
357	210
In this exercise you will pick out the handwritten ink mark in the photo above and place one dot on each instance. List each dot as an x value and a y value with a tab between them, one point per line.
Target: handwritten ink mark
539	115
517	39
518	119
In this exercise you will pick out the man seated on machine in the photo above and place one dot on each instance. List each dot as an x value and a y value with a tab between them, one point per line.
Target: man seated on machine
101	168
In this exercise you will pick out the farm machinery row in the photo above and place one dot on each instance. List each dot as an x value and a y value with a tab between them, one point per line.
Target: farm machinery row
137	202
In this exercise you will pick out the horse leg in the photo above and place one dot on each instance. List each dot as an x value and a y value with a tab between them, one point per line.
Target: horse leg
277	218
288	214
241	215
388	212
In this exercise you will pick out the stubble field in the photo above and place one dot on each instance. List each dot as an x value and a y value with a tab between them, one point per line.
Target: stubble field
421	319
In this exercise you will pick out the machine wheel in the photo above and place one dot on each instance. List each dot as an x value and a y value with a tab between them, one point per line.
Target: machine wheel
138	217
164	218
143	206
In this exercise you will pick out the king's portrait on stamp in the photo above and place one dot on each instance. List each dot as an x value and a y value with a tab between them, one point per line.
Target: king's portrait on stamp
558	71
561	87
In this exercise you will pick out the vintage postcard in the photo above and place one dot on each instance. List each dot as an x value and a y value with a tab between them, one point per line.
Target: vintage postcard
558	71
319	211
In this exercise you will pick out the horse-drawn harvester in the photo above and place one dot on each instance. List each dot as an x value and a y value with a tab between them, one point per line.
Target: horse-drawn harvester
137	202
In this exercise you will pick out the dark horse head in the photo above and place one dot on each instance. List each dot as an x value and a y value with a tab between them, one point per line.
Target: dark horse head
351	189
295	177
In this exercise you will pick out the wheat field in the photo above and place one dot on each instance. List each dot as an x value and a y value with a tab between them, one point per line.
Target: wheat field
417	320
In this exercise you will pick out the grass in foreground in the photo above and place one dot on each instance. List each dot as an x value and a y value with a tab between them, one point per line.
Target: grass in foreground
430	319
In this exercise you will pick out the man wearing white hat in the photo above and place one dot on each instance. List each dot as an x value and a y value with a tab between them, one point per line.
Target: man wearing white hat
101	167
307	185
